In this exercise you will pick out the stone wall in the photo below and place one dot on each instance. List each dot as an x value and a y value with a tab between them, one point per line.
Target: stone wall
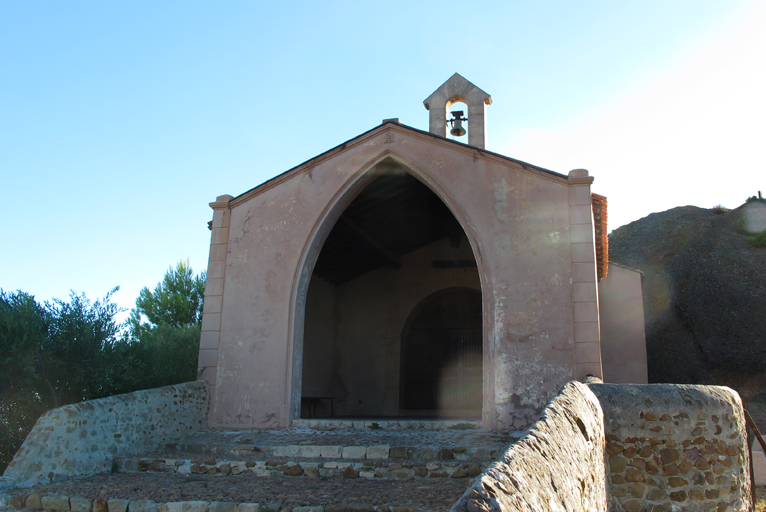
557	465
84	438
674	447
620	447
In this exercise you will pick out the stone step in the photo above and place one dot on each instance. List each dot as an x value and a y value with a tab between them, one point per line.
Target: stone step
312	468
342	443
295	451
397	424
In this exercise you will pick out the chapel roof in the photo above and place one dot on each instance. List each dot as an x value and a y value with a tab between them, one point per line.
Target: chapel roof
383	126
331	264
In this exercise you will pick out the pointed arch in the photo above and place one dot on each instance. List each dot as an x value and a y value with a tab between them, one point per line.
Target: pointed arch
330	215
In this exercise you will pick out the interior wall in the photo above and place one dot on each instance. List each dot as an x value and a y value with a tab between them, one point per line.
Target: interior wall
357	347
319	336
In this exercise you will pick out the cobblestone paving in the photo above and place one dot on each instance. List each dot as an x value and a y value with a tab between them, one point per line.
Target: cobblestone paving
280	493
416	494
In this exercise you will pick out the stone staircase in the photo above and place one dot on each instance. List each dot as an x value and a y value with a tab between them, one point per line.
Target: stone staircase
314	466
332	449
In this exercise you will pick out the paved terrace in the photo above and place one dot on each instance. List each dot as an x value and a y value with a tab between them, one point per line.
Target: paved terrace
353	466
297	441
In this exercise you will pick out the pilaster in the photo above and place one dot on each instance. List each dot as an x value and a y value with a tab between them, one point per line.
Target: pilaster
584	282
213	305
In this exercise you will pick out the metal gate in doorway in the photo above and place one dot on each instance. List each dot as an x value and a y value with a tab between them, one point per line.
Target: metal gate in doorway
441	356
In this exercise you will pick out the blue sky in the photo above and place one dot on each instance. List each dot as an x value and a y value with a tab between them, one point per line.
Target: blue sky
120	121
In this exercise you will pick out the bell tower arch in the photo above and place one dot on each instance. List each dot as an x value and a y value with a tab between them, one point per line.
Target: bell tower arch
453	90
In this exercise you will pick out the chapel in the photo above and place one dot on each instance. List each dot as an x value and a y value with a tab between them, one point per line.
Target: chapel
407	274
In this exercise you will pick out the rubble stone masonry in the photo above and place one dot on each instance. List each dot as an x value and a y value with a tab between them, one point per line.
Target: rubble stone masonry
619	447
597	447
557	465
674	447
84	438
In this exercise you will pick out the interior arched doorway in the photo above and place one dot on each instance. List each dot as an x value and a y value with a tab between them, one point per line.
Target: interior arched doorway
393	245
441	356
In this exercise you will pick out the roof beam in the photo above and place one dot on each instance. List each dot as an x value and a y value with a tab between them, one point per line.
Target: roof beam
388	255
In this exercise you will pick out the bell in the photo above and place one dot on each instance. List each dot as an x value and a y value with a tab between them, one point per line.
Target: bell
457	124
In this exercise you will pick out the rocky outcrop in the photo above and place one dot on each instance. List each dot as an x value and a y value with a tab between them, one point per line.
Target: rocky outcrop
704	294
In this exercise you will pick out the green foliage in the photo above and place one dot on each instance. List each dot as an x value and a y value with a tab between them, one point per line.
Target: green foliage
758	240
176	301
166	346
165	355
374	426
741	227
53	354
59	352
50	350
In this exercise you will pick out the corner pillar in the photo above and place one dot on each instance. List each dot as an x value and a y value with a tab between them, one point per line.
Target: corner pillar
587	329
213	306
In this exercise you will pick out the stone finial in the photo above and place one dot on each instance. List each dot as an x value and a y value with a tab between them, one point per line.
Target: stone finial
453	90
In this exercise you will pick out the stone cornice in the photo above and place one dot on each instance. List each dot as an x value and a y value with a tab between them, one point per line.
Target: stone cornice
580	180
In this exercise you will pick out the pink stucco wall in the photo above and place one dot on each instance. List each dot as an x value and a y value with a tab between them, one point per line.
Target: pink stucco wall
531	233
623	336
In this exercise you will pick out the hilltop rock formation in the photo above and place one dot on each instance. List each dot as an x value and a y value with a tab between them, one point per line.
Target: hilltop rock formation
704	294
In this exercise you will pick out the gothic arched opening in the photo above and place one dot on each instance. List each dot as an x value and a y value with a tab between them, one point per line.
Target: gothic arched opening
394	245
441	356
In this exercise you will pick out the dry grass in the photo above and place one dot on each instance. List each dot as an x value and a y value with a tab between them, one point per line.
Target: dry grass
760	499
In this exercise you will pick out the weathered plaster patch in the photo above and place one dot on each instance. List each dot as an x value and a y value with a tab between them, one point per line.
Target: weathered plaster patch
523	323
503	244
500	189
245	228
530	372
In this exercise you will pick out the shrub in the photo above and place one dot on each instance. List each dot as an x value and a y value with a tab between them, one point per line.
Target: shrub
53	354
758	240
719	209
